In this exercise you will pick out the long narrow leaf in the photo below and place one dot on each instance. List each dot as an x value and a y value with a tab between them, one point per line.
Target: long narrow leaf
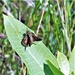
55	70
34	56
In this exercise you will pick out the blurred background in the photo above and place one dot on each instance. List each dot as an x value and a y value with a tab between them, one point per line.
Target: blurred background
51	20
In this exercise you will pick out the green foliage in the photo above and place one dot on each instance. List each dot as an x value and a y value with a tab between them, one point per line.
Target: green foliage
67	67
55	70
34	57
72	61
63	63
53	21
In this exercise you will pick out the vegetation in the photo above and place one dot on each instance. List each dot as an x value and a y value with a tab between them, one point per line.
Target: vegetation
51	20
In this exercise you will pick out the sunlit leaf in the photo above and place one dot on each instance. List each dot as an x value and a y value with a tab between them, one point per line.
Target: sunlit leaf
34	56
63	63
72	61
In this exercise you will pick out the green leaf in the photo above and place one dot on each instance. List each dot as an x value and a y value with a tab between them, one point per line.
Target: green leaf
35	55
72	61
63	63
55	70
47	70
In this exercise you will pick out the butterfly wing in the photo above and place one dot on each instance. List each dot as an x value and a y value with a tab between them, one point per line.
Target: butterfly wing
36	38
24	41
33	38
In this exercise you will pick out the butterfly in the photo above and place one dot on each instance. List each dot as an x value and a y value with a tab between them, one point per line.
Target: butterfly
29	38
